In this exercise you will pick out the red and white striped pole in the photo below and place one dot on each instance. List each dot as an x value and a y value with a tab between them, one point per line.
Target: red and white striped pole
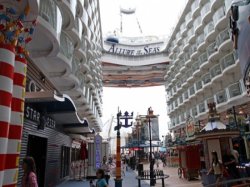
7	60
16	123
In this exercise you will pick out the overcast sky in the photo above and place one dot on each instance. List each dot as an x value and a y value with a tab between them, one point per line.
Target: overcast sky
157	18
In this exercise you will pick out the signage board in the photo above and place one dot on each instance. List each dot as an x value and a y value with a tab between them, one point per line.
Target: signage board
98	151
41	119
190	127
140	50
154	122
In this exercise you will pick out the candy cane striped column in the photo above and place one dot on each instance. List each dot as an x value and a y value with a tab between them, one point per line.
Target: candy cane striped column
7	60
16	123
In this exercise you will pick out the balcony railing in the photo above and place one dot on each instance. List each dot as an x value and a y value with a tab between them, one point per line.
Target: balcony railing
212	48
197	22
202	107
220	13
188	17
194	6
223	36
185	95
198	85
202	58
191	90
194	111
208	28
75	65
66	46
200	39
195	66
205	9
227	61
221	97
206	78
51	13
235	90
216	70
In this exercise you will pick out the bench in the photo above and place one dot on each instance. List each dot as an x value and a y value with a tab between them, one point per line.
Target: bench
157	175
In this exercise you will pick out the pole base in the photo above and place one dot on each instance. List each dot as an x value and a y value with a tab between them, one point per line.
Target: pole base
118	182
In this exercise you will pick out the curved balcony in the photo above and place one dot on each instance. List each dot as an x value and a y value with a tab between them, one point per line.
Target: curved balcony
216	73
188	19
79	8
68	8
76	33
198	26
201	44
203	61
223	41
206	81
212	51
209	32
81	52
228	6
47	32
186	44
228	63
235	92
191	35
178	38
194	52
195	68
85	20
183	29
219	19
195	9
215	4
206	13
221	99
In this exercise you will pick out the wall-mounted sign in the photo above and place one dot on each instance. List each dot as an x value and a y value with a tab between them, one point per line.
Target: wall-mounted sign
42	120
190	127
133	51
98	151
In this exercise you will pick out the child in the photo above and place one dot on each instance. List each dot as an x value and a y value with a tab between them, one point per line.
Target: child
101	181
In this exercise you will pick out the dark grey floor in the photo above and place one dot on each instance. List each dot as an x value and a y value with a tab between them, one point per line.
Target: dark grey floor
129	180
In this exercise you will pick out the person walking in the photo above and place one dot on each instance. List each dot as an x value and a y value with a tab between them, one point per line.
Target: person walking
217	167
29	177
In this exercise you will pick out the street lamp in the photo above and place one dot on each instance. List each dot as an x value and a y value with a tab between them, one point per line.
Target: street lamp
149	116
126	117
138	126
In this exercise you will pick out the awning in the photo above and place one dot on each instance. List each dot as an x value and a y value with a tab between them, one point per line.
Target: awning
60	108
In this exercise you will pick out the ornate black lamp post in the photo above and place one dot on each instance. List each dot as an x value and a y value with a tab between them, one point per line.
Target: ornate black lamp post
125	117
149	116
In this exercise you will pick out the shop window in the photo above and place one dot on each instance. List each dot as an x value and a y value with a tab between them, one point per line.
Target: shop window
65	161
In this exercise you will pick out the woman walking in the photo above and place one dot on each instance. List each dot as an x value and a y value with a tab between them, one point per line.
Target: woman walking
29	178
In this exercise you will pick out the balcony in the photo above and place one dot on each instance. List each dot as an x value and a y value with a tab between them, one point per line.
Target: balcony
228	5
209	31
223	41
188	19
66	46
198	25
221	99
215	71
219	18
206	12
194	111
203	60
194	52
195	9
227	61
47	32
191	91
183	29
191	35
212	49
206	79
195	68
202	107
68	8
235	90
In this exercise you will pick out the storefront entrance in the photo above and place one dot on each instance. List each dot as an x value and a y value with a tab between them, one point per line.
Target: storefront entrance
37	148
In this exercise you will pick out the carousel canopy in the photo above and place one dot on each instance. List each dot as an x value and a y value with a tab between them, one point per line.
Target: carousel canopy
214	125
